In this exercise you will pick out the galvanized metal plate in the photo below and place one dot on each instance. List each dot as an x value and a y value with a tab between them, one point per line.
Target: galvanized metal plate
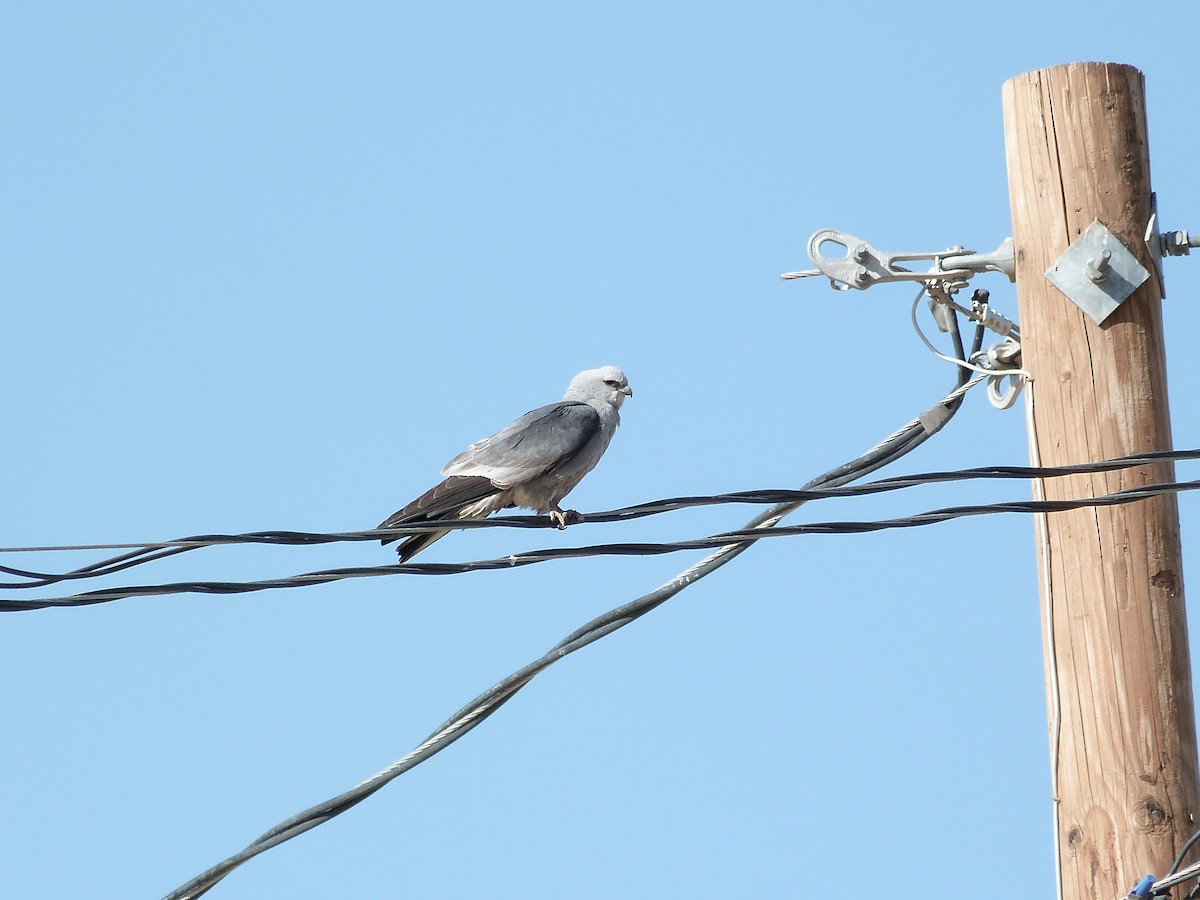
1097	272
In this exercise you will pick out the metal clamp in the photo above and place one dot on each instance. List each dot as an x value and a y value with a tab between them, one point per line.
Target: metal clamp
1178	243
1167	243
862	265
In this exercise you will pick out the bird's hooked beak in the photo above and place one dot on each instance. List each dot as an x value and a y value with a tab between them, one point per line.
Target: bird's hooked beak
627	391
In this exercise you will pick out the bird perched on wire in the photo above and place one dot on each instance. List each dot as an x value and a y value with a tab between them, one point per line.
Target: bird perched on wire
532	463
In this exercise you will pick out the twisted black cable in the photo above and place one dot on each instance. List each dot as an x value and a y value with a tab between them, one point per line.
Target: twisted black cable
150	552
749	534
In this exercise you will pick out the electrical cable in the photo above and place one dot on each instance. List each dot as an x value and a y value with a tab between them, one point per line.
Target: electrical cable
766	496
749	534
1163	885
1183	852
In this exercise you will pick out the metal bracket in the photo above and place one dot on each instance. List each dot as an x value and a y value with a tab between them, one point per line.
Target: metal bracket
862	265
1097	272
1168	243
1165	243
1154	243
1001	260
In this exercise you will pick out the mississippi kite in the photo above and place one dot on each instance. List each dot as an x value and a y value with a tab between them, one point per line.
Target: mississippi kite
533	463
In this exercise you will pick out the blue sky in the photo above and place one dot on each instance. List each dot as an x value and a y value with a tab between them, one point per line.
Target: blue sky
268	266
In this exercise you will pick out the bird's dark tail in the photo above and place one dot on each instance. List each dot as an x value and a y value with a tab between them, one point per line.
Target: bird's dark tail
444	501
418	542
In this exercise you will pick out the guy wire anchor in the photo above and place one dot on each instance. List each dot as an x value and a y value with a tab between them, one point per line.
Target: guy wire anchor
862	265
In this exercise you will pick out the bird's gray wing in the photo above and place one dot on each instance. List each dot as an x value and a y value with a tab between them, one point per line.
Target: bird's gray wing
537	443
443	500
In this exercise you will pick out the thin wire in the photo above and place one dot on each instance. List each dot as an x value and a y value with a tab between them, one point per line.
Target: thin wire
1043	532
488	702
970	367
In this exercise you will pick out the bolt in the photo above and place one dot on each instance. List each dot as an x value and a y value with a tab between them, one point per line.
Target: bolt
1178	243
1097	268
860	253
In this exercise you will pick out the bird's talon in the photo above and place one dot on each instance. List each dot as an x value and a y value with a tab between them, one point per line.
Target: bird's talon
564	517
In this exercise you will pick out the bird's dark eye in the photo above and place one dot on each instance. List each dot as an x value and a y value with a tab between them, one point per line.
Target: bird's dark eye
611	383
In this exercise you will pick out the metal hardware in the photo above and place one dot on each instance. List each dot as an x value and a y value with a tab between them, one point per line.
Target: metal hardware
1003	358
1167	243
1004	355
943	314
1097	272
1000	260
982	312
1178	243
1097	268
862	265
1154	242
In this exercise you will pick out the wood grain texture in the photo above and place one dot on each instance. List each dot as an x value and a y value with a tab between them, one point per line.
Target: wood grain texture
1126	775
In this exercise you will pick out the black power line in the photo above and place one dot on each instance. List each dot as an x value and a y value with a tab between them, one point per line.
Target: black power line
516	560
637	511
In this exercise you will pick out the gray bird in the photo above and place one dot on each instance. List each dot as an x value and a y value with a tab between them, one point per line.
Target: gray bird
533	463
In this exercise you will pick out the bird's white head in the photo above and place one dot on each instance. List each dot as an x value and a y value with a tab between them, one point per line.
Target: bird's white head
606	384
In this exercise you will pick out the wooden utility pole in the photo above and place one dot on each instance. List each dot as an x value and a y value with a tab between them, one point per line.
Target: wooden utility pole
1122	730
